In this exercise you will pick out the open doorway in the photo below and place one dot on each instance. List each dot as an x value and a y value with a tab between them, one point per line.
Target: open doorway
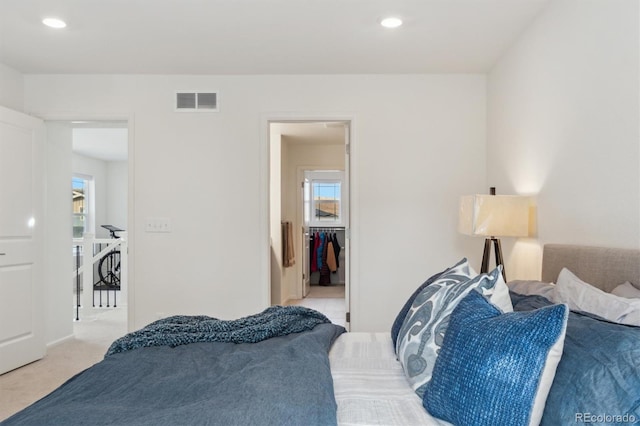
309	215
99	188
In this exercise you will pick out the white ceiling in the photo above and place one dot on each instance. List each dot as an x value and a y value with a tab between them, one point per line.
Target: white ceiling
255	37
260	36
323	133
103	141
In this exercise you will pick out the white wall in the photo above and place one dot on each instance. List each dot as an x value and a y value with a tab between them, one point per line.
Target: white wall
110	180
563	125
11	88
286	274
117	205
275	216
117	190
418	144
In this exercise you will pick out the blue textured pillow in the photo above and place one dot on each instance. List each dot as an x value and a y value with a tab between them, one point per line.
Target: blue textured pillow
397	324
425	325
494	368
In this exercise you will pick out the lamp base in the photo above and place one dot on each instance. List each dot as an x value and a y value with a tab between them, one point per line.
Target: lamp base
488	242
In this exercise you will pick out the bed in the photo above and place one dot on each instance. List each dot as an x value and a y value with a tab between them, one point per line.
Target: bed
291	366
371	387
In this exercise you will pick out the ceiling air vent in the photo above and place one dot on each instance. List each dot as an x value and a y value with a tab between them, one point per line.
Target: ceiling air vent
197	101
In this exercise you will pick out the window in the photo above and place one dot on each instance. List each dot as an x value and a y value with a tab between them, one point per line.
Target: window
80	199
323	196
326	197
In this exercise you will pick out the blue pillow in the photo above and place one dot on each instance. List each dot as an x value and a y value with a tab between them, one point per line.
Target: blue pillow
495	368
594	373
397	324
426	323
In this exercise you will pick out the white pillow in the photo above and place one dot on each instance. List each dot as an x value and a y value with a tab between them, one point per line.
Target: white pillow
500	296
626	290
582	296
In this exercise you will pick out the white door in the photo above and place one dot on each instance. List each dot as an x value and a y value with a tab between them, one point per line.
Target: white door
347	223
21	221
306	260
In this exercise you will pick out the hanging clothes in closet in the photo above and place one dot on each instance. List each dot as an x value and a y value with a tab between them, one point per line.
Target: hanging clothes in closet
320	244
331	254
325	272
324	250
336	250
314	239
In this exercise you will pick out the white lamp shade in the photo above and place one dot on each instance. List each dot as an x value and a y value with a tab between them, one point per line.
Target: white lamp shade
494	215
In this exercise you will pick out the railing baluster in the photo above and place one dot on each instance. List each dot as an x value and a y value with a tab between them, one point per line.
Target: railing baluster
117	280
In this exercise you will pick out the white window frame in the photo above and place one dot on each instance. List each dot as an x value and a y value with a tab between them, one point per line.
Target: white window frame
330	176
89	214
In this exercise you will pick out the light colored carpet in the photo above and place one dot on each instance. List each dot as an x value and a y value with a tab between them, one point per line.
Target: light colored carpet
329	300
330	291
23	386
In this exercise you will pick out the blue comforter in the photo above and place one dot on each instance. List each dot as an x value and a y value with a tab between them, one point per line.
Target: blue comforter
282	380
598	377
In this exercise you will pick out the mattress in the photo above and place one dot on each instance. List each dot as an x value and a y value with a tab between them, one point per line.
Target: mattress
369	384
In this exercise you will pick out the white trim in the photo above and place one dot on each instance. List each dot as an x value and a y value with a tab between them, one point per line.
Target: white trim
130	119
60	341
131	324
348	246
90	216
329	176
264	226
300	172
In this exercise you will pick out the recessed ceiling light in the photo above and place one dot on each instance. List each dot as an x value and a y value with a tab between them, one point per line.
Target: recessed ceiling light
54	23
391	22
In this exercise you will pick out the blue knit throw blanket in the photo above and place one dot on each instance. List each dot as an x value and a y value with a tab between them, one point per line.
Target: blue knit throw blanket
181	329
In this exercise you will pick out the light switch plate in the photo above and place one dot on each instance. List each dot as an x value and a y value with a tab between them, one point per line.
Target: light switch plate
157	224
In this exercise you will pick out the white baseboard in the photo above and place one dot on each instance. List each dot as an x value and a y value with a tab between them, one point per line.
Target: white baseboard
58	341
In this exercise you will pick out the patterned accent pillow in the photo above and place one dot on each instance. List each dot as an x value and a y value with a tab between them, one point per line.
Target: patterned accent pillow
504	364
397	324
424	327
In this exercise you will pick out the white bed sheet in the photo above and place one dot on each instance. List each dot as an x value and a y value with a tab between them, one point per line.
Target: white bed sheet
370	386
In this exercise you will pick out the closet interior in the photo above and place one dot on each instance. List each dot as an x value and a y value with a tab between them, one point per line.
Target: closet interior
326	256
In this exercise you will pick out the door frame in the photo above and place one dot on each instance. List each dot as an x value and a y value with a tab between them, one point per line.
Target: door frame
265	216
300	176
129	118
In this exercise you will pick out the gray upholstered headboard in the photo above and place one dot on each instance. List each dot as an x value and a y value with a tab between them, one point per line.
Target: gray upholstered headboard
603	267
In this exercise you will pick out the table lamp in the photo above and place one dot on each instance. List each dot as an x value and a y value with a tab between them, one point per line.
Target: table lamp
494	216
